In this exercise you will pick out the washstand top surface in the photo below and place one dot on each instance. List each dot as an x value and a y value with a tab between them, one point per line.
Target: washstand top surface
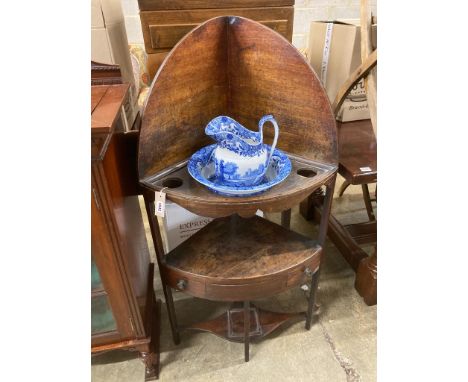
237	67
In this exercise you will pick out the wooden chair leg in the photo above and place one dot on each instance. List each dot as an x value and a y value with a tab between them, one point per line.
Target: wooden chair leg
311	304
343	188
366	279
246	330
367	202
171	313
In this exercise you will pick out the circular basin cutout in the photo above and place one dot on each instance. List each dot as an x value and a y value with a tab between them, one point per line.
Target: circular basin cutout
172	182
306	173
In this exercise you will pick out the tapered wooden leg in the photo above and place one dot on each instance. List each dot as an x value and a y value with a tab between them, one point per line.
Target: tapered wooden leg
158	246
343	188
366	279
286	218
325	213
171	313
367	202
311	304
246	330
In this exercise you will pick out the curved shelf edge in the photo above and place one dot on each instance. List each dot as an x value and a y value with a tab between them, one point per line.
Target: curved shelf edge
242	288
196	198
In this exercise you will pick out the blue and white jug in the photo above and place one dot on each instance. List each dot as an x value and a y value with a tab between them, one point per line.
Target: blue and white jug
240	158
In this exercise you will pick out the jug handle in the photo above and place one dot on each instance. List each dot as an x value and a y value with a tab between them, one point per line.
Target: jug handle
260	128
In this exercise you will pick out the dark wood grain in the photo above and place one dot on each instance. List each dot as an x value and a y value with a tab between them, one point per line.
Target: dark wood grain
358	149
237	67
105	107
265	75
226	258
153	5
167	36
163	29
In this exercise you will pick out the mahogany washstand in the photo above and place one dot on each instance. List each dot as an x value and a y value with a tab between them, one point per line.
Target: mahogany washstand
237	67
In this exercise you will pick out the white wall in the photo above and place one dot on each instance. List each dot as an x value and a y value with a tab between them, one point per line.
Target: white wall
305	11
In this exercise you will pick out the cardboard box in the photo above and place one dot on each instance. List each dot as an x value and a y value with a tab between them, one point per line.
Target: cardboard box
334	51
97	20
100	46
179	224
109	45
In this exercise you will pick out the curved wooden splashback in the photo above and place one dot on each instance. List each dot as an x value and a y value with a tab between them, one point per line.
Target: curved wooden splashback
237	67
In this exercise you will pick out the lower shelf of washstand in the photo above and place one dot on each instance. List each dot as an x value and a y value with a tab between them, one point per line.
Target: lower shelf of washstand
230	324
238	259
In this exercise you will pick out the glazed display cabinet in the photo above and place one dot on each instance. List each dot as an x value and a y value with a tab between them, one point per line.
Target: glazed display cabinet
124	310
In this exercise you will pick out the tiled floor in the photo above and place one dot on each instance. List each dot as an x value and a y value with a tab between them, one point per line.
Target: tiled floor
341	345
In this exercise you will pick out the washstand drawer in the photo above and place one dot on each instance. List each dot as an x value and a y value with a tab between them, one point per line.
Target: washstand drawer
232	290
183	282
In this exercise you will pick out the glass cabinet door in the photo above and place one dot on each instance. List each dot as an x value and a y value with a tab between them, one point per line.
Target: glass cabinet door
102	318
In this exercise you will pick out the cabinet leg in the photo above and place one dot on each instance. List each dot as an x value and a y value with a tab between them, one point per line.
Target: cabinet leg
246	330
311	304
149	352
171	313
149	358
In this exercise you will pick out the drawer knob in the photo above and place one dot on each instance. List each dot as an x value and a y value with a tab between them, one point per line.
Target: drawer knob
181	284
308	272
